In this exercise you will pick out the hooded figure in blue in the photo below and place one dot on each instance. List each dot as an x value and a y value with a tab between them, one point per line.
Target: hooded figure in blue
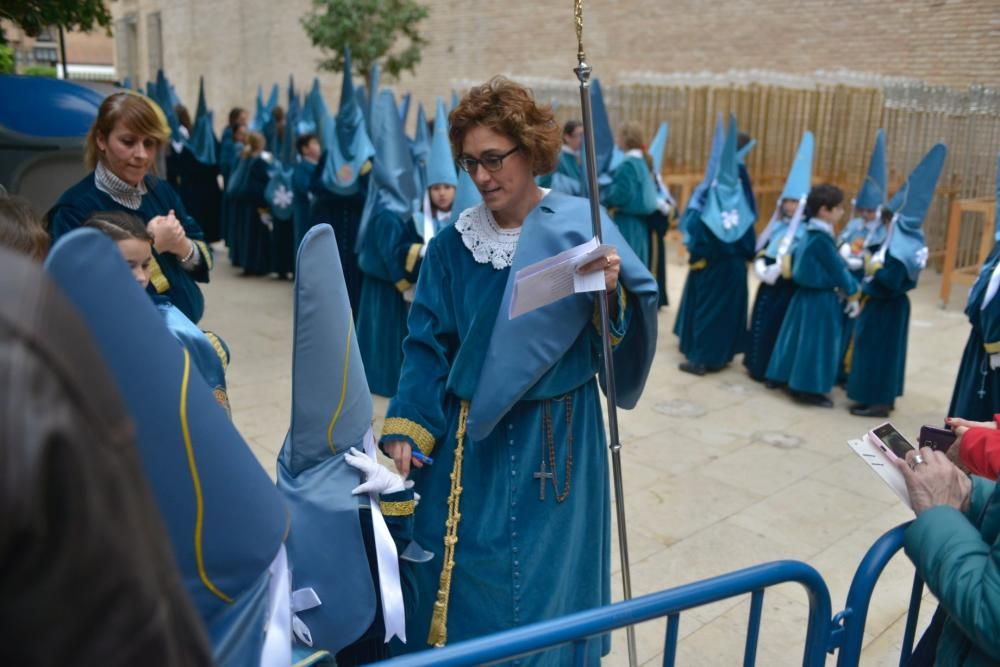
308	153
340	543
251	223
340	183
123	180
977	388
806	355
225	518
631	195
389	250
877	357
230	143
197	171
865	232
568	176
719	233
659	220
773	263
437	204
420	149
492	398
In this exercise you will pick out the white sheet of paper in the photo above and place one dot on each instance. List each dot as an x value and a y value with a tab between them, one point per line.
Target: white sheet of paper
552	279
880	463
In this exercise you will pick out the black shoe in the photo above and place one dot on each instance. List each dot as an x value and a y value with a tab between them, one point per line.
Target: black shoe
870	410
818	400
771	384
692	368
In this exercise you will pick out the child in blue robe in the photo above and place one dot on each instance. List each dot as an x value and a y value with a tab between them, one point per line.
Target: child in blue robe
807	351
860	239
251	221
568	176
309	151
631	196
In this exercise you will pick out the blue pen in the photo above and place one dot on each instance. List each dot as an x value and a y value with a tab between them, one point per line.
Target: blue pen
420	456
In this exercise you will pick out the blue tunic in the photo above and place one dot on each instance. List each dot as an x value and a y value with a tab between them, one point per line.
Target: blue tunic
390	262
977	387
769	308
251	248
567	178
198	187
807	352
169	278
511	538
632	196
865	244
878	353
712	318
302	177
209	353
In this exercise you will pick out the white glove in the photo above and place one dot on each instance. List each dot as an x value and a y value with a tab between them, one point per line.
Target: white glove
772	273
409	294
853	308
664	207
853	261
760	267
378	478
267	221
995	361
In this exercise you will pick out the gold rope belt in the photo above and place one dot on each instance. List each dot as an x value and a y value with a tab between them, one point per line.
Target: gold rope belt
438	634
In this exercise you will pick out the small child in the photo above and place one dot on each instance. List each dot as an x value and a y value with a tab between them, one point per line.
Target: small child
807	352
209	353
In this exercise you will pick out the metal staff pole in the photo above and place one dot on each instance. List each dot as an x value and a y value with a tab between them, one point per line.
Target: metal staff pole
583	72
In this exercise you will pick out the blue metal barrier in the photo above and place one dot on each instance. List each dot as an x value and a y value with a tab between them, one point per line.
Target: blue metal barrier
577	628
843	632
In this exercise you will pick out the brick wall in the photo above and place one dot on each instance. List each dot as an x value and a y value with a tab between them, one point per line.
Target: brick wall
237	44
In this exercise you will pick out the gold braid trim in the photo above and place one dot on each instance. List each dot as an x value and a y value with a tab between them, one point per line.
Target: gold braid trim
366	167
401	508
992	348
160	282
786	266
219	349
438	634
698	266
403	285
420	436
412	256
205	253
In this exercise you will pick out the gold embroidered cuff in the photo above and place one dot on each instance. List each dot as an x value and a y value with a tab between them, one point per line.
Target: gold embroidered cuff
219	348
698	266
156	277
366	167
206	254
403	285
786	267
596	319
401	508
412	256
855	296
420	436
992	348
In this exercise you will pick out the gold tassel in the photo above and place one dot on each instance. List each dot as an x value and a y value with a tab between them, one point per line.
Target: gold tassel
438	634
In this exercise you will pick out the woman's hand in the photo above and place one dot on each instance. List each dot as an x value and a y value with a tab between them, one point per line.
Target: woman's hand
169	235
955	423
401	454
934	481
611	264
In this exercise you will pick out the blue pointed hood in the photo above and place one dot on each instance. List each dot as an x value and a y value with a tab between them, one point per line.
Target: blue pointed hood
288	153
331	412
404	109
466	196
394	185
346	140
726	212
362	98
873	191
202	104
420	148
202	143
260	113
349	115
658	147
225	518
291	89
313	111
909	207
454	101
441	164
373	87
697	199
161	95
272	100
604	138
799	180
742	153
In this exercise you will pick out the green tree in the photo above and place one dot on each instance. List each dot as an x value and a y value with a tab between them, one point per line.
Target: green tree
33	16
40	70
372	29
6	59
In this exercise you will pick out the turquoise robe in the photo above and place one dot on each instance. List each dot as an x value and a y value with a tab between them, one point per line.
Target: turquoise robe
390	261
807	352
712	318
252	246
769	308
854	233
631	197
169	278
209	353
228	155
510	539
302	177
568	177
977	387
878	352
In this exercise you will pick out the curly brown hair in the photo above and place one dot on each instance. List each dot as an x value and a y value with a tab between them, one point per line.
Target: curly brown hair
509	108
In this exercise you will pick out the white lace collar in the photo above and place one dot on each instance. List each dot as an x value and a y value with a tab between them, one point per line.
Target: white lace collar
488	242
634	152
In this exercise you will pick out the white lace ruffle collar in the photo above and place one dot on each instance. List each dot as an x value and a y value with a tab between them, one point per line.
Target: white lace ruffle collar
488	242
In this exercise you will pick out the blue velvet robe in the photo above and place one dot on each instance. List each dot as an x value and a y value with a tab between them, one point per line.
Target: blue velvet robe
302	177
807	352
632	196
250	246
343	213
209	353
169	278
878	352
977	387
769	308
712	318
198	187
856	234
390	261
568	177
519	558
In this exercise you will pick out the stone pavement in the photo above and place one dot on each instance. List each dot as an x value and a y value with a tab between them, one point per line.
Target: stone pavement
720	473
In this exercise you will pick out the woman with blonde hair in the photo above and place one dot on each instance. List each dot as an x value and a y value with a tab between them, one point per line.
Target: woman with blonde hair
509	408
121	149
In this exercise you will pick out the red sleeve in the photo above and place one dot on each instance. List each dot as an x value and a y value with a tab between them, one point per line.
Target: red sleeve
980	451
996	418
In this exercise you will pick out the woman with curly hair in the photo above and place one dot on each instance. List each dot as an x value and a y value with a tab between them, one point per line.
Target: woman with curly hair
509	409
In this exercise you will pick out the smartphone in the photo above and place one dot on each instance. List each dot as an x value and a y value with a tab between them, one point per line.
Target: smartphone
891	441
938	439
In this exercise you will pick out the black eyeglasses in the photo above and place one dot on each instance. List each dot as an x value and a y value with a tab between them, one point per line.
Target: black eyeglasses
491	163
